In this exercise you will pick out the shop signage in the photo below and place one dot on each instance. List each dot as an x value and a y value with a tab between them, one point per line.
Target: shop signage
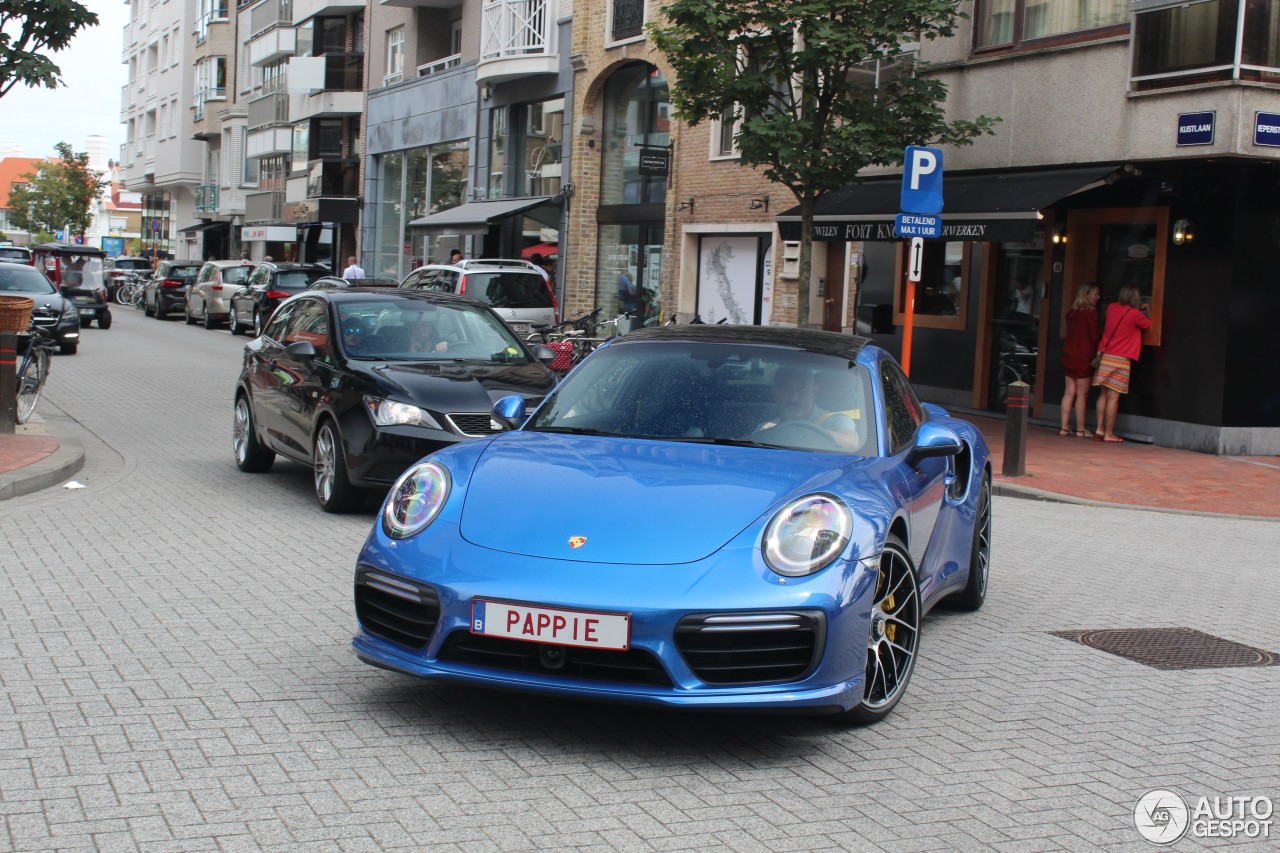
980	230
1195	128
268	233
917	225
302	211
655	161
1266	129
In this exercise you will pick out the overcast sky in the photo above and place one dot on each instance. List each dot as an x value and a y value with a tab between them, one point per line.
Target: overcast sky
89	102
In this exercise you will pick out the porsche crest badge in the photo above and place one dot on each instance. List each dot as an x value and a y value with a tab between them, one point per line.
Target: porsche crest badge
577	541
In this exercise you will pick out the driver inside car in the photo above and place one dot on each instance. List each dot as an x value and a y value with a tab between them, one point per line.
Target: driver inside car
795	394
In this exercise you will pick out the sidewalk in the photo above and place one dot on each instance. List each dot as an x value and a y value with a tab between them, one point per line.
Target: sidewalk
1059	468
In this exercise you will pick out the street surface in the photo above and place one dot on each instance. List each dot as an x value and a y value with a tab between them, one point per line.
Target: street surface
176	676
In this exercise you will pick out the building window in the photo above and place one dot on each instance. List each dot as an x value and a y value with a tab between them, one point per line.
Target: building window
1010	23
724	132
1177	45
413	184
526	149
636	117
942	292
395	57
627	19
211	83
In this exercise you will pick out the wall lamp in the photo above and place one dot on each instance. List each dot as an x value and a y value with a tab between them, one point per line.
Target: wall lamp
686	205
1182	232
1060	233
761	203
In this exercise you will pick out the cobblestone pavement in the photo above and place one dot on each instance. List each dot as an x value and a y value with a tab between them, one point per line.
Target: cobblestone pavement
176	676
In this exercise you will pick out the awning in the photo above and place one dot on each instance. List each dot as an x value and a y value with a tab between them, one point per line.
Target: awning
1001	207
475	217
203	226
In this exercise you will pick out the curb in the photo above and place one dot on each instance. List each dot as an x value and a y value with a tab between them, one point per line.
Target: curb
53	469
1010	490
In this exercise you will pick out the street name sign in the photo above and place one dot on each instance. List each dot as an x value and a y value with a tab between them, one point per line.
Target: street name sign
1266	129
1196	128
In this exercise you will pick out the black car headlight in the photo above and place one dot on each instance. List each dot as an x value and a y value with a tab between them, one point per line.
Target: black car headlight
415	500
807	535
392	413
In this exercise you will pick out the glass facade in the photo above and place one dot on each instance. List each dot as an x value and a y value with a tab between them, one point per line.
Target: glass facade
411	185
526	149
1199	42
636	117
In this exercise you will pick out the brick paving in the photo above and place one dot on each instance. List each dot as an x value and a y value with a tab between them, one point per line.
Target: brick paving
176	676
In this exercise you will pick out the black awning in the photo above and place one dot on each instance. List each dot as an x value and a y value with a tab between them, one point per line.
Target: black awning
203	226
1000	207
475	217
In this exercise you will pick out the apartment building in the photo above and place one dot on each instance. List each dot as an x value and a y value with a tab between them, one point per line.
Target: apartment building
219	125
161	158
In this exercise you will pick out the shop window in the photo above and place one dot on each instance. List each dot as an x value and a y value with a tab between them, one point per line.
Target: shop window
1012	23
1119	246
1206	41
942	292
636	117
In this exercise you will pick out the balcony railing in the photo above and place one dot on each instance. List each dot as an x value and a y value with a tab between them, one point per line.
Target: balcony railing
327	180
438	65
268	110
207	198
216	15
264	208
269	14
512	28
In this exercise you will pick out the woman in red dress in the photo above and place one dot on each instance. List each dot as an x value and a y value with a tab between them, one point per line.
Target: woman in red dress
1078	350
1121	345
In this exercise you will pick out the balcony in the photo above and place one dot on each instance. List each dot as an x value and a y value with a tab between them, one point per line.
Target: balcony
274	44
204	96
207	198
333	180
422	4
269	14
333	72
264	208
268	110
517	38
303	9
216	15
426	69
264	143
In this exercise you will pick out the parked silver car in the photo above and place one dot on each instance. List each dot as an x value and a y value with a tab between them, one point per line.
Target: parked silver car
516	290
209	299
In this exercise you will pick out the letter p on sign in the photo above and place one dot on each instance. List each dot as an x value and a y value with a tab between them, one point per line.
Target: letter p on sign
922	180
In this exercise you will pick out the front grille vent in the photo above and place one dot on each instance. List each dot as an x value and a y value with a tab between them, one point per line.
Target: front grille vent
751	648
634	666
473	423
396	609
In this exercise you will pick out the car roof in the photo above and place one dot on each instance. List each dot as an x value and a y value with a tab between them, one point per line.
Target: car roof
366	294
231	263
810	340
484	265
184	263
67	249
291	265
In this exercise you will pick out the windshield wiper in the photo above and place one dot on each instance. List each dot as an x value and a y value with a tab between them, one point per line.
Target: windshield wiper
574	431
712	439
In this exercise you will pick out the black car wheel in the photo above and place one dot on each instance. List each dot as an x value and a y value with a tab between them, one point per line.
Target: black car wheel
895	635
160	313
68	348
104	320
333	488
186	315
233	325
210	322
147	311
975	591
257	323
251	456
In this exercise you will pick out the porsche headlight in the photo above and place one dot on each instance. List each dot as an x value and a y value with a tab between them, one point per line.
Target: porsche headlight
807	535
391	413
415	500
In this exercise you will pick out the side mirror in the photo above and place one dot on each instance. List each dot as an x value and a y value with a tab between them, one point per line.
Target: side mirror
510	411
933	440
301	349
544	354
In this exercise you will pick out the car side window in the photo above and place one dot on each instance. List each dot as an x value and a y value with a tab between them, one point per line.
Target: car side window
207	273
411	281
902	409
309	321
279	325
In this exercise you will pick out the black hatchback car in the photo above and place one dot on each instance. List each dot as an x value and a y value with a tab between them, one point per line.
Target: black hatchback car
267	286
53	311
362	383
166	290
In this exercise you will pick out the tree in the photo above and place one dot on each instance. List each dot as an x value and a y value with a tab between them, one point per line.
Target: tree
28	28
821	89
60	193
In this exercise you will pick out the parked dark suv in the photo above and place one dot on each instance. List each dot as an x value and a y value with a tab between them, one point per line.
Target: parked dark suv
166	290
268	286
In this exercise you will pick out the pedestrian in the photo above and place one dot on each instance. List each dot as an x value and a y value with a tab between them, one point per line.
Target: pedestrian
1127	318
455	256
353	270
626	293
1078	350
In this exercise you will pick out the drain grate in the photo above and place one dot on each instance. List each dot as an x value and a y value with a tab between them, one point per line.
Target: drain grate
1171	648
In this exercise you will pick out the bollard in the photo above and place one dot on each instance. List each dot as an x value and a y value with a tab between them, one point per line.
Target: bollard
1015	430
8	382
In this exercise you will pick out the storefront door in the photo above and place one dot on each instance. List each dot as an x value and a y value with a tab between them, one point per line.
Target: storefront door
1014	317
630	258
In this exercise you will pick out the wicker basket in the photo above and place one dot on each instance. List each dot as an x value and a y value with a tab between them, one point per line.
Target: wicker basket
15	313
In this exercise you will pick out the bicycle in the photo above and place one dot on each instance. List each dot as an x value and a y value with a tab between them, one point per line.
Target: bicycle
130	293
33	370
568	339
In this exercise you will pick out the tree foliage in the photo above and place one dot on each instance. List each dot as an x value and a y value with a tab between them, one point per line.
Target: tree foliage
59	193
29	29
822	88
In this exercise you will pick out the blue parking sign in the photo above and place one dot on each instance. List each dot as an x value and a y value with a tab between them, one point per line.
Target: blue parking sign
921	180
60	235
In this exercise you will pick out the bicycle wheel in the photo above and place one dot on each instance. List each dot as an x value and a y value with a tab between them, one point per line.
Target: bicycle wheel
124	295
31	382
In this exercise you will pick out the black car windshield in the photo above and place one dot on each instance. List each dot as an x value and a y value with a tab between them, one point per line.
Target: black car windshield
413	330
11	254
24	280
509	289
717	393
131	264
296	279
182	272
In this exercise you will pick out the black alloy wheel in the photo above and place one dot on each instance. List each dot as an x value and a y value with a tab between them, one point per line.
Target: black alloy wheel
975	590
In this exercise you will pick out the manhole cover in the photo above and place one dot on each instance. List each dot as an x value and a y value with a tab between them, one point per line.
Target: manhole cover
1171	648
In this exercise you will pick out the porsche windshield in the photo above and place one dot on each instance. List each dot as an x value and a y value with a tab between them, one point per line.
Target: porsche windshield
717	393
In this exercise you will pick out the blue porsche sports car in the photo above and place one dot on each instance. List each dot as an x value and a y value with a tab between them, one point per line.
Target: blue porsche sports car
725	517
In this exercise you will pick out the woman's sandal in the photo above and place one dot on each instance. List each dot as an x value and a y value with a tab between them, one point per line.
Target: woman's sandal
1064	432
1080	433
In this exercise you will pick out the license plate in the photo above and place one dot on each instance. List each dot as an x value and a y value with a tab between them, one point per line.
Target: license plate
551	625
87	312
521	328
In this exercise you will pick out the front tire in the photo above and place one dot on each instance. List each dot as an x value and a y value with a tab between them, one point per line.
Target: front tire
975	591
104	320
251	455
894	639
257	323
186	316
159	309
333	488
233	325
210	321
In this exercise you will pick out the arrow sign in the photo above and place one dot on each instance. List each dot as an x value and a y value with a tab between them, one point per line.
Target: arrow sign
915	259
